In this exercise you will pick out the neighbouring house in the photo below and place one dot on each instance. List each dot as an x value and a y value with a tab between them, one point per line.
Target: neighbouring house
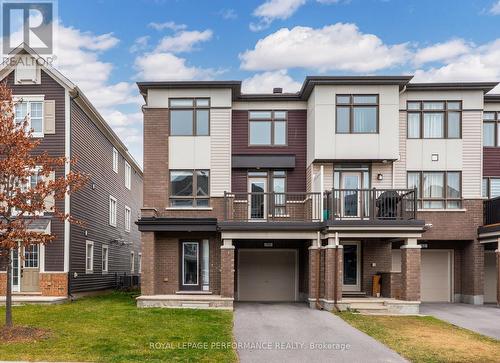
105	250
310	196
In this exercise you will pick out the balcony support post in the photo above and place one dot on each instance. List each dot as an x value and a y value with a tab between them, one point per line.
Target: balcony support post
410	270
227	269
497	253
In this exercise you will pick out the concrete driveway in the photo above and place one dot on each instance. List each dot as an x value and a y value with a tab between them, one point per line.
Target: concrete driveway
295	333
483	319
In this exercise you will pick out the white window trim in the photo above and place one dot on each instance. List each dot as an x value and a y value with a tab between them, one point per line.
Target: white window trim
132	262
111	222
105	247
128	175
116	157
28	99
128	218
87	244
140	264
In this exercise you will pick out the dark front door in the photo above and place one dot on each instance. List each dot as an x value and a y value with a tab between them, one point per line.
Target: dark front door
352	266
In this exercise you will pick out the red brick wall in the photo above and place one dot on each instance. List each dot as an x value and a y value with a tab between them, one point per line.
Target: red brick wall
54	284
391	285
227	272
410	274
378	252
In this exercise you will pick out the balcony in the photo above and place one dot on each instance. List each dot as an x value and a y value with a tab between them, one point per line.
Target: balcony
491	211
332	205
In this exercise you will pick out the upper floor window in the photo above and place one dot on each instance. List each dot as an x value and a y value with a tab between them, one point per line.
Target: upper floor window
357	114
491	129
437	189
267	128
32	111
189	116
128	218
115	160
491	187
189	188
112	211
128	175
434	119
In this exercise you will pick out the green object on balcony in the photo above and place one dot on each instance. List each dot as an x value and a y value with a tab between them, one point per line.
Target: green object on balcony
326	214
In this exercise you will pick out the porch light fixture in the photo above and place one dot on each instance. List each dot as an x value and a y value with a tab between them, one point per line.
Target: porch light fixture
435	157
93	186
380	176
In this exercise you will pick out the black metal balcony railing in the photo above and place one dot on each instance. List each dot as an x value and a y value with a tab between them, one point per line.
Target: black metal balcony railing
336	204
491	211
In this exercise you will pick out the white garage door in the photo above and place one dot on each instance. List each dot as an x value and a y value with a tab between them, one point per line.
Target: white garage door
267	275
490	277
436	276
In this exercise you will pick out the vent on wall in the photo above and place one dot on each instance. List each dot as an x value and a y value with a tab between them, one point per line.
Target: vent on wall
26	71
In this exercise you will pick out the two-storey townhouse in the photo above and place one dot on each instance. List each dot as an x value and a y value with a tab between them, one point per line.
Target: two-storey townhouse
313	196
96	254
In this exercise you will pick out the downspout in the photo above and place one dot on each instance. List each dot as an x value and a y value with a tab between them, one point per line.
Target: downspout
336	272
318	271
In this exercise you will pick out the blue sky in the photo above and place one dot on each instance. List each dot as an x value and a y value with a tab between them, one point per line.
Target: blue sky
105	46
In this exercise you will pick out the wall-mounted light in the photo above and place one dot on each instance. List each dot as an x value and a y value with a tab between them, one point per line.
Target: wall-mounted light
435	157
93	186
380	177
86	233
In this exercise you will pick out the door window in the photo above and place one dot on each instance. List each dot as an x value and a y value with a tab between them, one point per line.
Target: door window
31	256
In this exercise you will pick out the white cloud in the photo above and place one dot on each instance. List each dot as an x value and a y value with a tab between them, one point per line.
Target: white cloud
167	25
441	51
140	44
167	66
228	14
335	47
184	41
265	82
495	8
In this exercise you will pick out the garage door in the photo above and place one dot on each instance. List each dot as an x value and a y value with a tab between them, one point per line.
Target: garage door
436	276
267	275
490	278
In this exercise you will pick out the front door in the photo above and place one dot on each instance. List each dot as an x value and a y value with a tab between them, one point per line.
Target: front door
350	199
257	206
30	271
352	266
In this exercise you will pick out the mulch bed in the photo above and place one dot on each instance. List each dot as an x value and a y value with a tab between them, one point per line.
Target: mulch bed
22	334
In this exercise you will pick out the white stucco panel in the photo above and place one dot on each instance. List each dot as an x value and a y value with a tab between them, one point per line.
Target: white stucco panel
189	152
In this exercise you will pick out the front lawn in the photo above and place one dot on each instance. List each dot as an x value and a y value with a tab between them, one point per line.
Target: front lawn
110	328
427	339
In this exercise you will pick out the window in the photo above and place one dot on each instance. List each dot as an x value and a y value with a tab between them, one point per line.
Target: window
112	211
128	217
132	262
189	188
437	189
434	119
491	129
105	256
195	265
115	160
267	128
189	116
357	114
31	256
89	257
128	175
279	188
140	263
33	112
491	187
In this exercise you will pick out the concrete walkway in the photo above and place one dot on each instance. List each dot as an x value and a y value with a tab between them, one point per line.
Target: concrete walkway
483	319
295	333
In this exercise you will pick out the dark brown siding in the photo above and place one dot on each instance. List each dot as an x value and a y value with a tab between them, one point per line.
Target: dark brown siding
297	139
491	161
94	153
54	145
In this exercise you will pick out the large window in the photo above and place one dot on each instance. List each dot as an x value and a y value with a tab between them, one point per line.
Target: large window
189	116
128	175
491	187
195	265
434	119
89	257
189	188
437	189
491	129
357	114
32	111
267	128
112	211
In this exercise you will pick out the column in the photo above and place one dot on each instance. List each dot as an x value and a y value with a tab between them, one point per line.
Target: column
148	275
314	251
333	270
498	272
410	270
227	269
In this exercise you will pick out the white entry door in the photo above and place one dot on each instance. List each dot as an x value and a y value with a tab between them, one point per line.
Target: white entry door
352	266
351	207
257	200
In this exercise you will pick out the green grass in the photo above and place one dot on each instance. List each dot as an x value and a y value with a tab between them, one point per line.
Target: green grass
427	339
110	328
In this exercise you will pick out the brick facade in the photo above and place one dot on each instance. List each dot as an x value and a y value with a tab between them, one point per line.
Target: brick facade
3	283
314	252
227	271
333	272
54	284
148	263
410	273
378	253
